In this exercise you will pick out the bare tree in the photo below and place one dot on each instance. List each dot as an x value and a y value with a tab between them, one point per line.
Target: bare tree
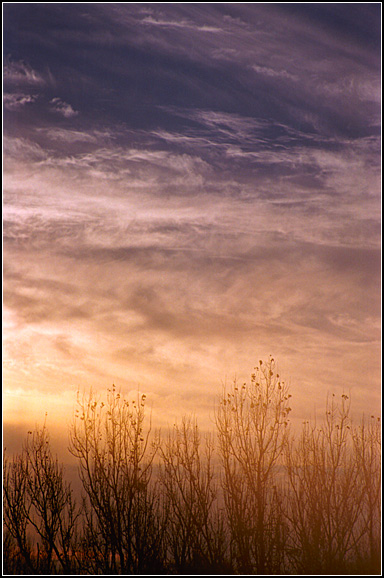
265	502
195	534
252	422
123	532
16	507
38	502
326	494
367	455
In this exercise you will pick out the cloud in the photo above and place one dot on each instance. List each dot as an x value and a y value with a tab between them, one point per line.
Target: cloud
23	149
273	73
20	73
63	108
146	167
150	20
16	101
170	290
70	136
175	301
306	187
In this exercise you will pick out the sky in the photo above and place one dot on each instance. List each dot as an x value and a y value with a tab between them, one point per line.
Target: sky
187	189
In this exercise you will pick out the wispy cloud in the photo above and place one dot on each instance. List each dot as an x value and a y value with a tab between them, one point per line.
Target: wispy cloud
150	20
69	136
22	149
273	72
20	73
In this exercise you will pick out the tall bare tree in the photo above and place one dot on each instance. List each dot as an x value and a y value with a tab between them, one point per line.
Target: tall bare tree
252	422
327	496
195	536
367	455
123	527
16	507
38	502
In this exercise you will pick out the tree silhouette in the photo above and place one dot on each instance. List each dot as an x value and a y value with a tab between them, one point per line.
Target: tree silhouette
330	506
254	499
123	533
367	455
195	531
252	422
37	497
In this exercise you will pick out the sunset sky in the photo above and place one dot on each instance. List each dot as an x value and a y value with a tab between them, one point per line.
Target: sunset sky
188	188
